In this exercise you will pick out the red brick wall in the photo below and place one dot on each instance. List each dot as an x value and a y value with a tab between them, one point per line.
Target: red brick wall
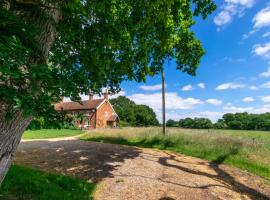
103	113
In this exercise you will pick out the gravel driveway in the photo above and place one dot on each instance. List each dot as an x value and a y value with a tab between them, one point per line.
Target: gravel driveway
125	173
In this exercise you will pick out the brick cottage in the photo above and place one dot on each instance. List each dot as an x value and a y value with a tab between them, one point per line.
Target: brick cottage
97	113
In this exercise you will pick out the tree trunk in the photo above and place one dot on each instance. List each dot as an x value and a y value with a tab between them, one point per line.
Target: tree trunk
11	130
10	135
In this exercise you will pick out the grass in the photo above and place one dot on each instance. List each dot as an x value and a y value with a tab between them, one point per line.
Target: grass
247	150
23	183
50	133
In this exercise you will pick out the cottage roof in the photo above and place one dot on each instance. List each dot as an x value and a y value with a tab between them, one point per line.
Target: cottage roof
82	105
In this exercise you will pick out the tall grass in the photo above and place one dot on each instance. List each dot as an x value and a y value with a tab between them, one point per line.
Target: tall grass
248	150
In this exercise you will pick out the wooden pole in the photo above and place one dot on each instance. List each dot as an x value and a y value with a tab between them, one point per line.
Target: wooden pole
163	102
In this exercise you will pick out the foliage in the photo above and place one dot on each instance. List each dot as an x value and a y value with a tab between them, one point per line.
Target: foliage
237	121
247	150
50	49
246	121
196	123
30	184
50	133
171	123
47	123
135	115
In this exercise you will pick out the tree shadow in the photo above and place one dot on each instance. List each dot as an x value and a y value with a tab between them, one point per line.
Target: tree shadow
220	176
166	198
94	161
89	161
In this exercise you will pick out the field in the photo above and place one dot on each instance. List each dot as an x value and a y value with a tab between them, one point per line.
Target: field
50	133
25	183
247	150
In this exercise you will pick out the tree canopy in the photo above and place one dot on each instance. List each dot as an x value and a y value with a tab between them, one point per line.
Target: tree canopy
135	115
53	48
235	121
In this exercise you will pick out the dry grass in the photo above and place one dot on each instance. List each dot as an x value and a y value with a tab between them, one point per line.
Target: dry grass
248	150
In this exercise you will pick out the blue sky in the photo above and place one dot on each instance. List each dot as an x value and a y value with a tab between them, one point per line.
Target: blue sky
234	75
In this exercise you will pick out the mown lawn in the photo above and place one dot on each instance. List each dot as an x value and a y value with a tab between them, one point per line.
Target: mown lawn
23	183
50	133
247	150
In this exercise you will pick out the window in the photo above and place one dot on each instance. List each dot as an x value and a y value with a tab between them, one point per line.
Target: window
87	122
87	113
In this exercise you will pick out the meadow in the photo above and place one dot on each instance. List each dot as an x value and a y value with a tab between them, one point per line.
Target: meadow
247	150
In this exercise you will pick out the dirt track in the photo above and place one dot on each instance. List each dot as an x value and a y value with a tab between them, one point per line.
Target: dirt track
126	173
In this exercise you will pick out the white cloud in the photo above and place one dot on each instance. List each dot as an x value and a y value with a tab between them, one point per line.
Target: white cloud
266	99
174	102
230	9
230	59
234	109
248	99
265	85
253	87
85	97
247	35
266	34
262	50
201	85
187	88
262	18
121	93
224	17
230	85
151	87
214	102
265	74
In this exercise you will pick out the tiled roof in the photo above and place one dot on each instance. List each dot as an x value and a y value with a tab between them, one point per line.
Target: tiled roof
83	105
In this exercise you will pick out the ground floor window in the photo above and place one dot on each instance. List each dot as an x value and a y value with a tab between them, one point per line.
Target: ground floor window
87	122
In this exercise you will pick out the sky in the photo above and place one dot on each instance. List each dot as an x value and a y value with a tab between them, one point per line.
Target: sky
234	75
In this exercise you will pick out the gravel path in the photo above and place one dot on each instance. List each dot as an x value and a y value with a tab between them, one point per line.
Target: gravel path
126	173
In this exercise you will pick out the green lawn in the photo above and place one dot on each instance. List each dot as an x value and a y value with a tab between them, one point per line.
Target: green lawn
23	183
50	133
248	150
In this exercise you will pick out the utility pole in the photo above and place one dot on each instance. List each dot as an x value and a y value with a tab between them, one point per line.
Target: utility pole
163	101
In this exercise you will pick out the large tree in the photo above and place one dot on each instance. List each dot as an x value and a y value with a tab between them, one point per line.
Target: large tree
133	114
54	48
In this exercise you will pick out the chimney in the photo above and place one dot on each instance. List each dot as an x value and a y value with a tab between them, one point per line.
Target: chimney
106	94
62	99
91	96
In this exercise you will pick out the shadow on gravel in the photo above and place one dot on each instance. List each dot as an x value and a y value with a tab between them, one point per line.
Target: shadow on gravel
89	161
221	176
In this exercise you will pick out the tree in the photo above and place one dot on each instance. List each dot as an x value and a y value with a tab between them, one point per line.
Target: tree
171	123
54	48
220	124
135	115
202	123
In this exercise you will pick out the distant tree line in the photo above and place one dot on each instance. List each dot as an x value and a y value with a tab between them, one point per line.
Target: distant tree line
131	114
237	121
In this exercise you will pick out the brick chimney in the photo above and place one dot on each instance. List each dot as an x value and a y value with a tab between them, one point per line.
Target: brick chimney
106	94
91	96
